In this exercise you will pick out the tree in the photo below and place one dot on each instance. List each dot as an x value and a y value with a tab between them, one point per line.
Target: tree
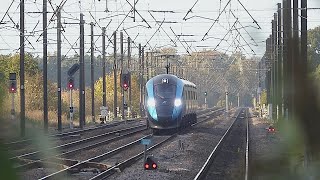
11	63
264	97
314	48
110	91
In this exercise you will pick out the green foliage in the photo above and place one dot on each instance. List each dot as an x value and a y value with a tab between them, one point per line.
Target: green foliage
264	97
34	93
6	166
221	103
11	64
110	91
314	48
33	81
316	73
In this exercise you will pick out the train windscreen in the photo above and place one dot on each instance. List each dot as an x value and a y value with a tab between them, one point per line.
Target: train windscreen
165	91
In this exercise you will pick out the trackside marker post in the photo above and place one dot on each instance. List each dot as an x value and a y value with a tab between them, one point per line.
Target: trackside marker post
145	142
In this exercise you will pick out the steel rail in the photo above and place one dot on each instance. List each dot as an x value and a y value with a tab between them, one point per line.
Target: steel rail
135	158
20	142
94	159
90	146
247	148
201	174
78	141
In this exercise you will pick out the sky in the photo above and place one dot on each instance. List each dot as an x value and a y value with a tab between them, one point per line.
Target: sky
165	18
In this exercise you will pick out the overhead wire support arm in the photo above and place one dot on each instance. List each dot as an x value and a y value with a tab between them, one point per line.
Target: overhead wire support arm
216	20
254	21
226	34
63	2
175	44
132	41
96	22
245	29
180	41
245	41
190	10
135	10
7	11
154	34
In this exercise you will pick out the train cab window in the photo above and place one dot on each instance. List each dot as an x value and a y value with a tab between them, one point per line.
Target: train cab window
165	90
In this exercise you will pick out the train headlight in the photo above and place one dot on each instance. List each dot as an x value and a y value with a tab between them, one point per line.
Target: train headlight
151	102
177	102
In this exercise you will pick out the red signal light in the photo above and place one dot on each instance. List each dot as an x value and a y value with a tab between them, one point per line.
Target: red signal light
125	87
70	83
154	166
150	164
13	87
271	129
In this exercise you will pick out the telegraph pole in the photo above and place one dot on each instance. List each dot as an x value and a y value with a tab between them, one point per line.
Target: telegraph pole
129	69
92	73
279	63
59	66
45	67
273	70
115	74
276	87
308	154
140	80
121	70
289	60
147	64
296	49
82	81
269	76
286	37
304	36
22	95
104	101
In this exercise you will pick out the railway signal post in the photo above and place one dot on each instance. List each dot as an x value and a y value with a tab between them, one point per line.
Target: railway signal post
12	90
205	100
71	86
227	102
145	142
71	72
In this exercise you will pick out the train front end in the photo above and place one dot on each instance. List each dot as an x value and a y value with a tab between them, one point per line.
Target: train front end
164	103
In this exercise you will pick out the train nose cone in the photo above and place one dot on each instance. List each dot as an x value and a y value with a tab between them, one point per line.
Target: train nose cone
164	111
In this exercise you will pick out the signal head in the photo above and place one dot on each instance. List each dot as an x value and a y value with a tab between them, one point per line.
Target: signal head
13	86
150	164
70	83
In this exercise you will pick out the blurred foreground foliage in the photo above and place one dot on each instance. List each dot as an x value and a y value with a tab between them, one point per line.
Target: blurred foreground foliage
6	167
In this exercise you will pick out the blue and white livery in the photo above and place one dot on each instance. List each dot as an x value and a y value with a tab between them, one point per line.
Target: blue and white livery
171	102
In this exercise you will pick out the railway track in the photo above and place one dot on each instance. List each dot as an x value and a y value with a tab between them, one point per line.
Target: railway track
24	142
79	145
27	142
30	160
131	160
229	159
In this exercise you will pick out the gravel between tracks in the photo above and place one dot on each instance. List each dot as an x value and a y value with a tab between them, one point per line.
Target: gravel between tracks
263	144
183	157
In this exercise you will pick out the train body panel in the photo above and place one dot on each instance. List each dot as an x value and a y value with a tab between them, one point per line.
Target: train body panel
171	102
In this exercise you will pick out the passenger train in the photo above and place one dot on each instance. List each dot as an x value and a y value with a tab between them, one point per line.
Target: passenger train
171	102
